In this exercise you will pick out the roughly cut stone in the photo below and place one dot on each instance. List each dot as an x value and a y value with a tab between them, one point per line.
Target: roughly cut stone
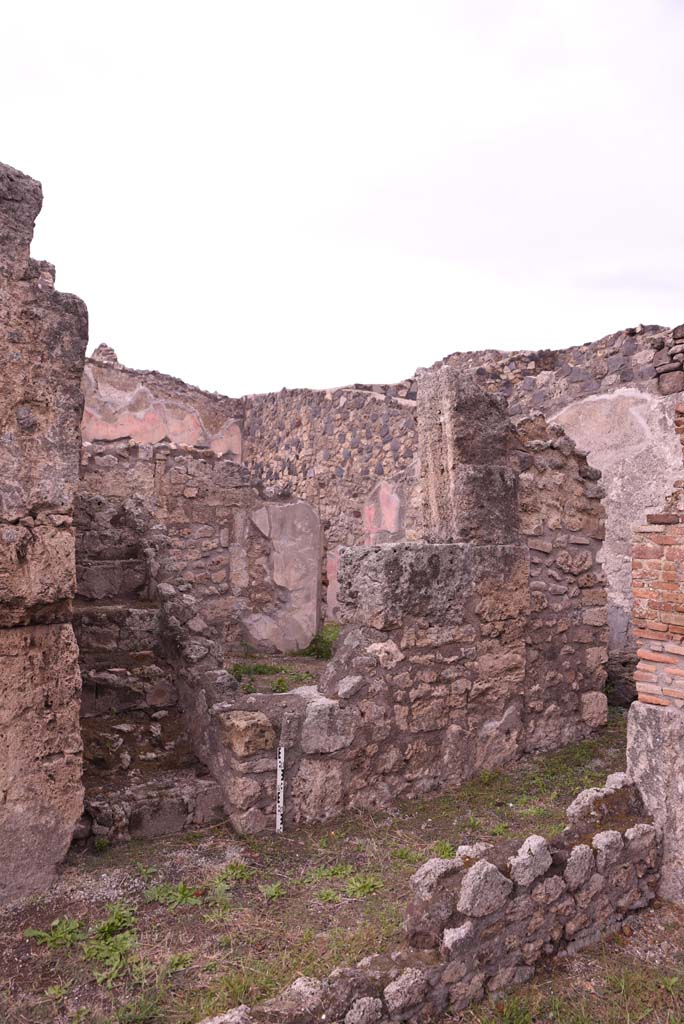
247	732
532	860
327	727
366	1010
580	866
406	991
655	763
483	890
455	941
594	709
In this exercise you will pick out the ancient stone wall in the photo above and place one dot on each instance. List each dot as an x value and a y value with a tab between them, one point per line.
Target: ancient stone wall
482	921
193	570
43	336
149	407
333	448
658	582
351	452
457	656
655	739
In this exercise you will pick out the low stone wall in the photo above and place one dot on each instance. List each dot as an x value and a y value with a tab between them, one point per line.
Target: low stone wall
481	922
43	335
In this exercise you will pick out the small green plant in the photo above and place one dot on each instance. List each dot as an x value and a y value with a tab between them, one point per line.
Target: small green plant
63	934
177	962
443	848
500	829
325	873
146	1009
360	886
280	686
174	896
237	871
273	892
248	688
256	669
58	992
101	844
406	856
328	896
145	871
80	1016
322	644
120	919
112	953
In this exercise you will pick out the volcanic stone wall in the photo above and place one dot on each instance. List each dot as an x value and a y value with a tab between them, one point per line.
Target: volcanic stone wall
43	336
459	655
335	449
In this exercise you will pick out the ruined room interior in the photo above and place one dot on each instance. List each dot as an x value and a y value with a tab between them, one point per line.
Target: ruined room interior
500	541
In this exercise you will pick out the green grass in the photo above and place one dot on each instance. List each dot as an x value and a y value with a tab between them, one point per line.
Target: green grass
256	668
323	643
339	893
628	995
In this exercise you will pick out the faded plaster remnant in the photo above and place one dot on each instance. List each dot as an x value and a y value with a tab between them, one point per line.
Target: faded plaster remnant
629	435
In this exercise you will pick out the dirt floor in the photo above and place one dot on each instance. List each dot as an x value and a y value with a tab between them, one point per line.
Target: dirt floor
180	928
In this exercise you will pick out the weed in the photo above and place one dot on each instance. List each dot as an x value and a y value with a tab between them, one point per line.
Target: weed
120	919
322	644
443	848
256	669
360	886
280	686
324	874
101	844
248	688
112	953
328	896
144	871
500	829
237	871
63	934
177	962
406	856
273	892
58	992
174	896
512	1011
147	1009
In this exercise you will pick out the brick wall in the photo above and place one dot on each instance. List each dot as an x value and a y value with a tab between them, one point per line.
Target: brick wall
658	591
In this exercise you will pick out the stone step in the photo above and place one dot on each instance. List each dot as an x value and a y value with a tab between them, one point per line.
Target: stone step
136	806
113	626
111	578
108	688
136	739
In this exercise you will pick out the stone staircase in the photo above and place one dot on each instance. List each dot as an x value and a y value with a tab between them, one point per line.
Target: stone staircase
141	776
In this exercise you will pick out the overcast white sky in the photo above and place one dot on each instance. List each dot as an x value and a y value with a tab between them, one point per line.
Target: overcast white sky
252	194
